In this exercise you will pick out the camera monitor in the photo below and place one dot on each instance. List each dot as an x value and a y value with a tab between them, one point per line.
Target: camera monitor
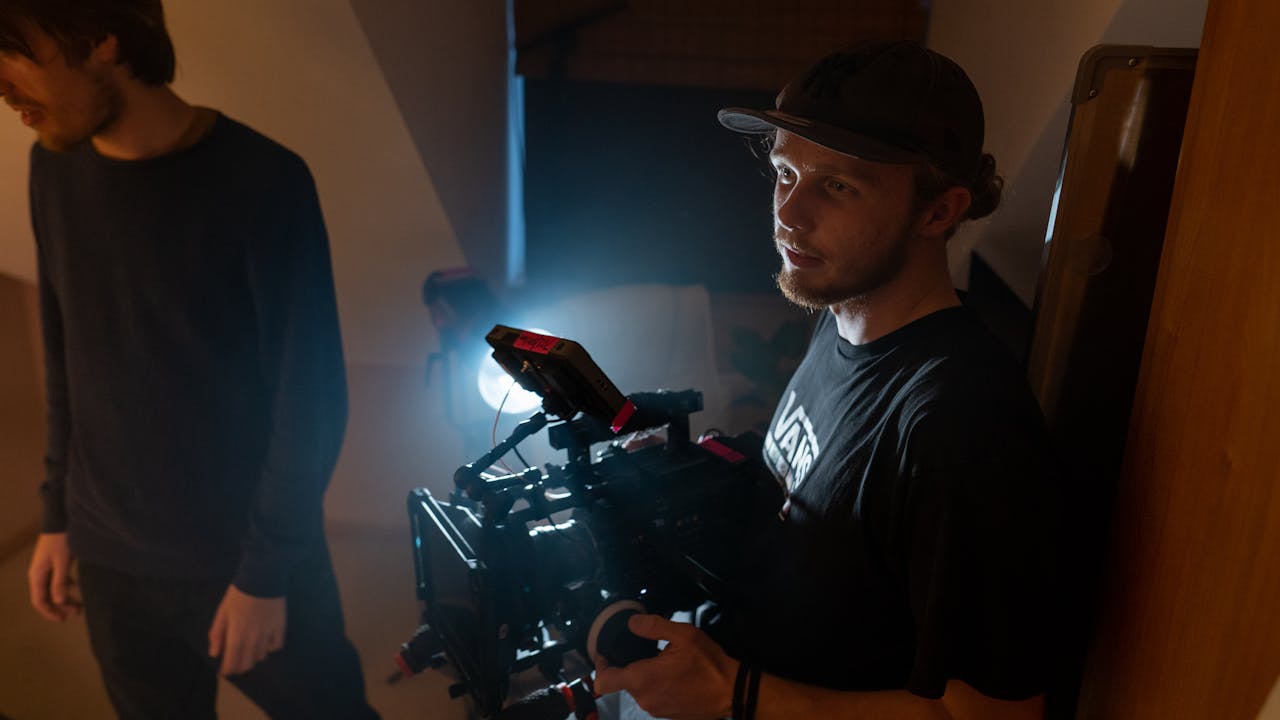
560	371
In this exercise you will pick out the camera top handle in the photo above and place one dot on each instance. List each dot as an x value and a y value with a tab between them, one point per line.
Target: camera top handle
468	477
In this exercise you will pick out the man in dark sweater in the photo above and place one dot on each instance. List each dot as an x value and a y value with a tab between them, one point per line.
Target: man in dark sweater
912	572
196	387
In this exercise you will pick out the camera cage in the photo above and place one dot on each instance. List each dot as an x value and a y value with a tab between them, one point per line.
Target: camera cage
464	549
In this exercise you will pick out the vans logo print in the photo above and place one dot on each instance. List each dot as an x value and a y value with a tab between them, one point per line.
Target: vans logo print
791	446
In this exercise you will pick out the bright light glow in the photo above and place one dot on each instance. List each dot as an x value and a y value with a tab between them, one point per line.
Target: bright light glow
494	382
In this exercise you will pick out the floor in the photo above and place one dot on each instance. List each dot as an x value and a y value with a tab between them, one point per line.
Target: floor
47	672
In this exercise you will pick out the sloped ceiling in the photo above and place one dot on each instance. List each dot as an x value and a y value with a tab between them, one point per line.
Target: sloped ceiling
446	65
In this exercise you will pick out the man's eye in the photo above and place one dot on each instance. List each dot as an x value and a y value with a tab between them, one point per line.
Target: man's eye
784	173
837	186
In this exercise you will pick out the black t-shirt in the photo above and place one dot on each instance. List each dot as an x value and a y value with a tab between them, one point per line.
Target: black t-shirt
920	534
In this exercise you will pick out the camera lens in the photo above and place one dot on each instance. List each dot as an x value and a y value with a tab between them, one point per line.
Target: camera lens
563	554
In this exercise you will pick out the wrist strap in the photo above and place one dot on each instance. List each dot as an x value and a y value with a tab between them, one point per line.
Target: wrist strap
746	691
740	690
753	694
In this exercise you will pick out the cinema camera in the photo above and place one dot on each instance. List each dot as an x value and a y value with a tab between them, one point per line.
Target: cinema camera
659	529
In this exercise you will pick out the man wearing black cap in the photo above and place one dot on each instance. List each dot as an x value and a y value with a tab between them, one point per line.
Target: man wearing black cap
912	574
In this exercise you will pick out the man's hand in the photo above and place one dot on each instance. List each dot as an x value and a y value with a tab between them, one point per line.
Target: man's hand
691	679
245	630
49	578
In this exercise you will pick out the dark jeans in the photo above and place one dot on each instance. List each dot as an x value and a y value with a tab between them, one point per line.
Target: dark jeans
151	639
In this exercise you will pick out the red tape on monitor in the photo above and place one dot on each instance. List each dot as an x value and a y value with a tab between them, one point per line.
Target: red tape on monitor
533	342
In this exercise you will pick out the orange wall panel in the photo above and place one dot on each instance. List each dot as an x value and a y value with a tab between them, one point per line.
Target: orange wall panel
1191	621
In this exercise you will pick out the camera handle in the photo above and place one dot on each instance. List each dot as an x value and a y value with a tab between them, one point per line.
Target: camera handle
467	478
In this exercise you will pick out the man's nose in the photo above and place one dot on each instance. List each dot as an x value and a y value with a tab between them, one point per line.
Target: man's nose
788	207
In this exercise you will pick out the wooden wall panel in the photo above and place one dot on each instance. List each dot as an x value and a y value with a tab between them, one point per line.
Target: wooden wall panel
1191	617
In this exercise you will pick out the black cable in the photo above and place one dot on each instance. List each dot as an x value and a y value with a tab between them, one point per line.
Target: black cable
521	457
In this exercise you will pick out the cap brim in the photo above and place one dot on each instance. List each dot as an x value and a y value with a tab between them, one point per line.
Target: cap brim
757	122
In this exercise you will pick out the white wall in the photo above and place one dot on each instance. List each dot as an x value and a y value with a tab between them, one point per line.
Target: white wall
1022	56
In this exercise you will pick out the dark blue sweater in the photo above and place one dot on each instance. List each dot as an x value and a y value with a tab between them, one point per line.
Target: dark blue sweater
197	396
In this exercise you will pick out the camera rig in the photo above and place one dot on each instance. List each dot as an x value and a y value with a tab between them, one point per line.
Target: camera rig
507	584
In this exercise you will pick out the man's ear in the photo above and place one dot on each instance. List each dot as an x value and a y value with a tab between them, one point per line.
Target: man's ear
106	52
945	211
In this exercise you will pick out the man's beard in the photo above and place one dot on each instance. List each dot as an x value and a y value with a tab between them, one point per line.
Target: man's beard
851	290
103	109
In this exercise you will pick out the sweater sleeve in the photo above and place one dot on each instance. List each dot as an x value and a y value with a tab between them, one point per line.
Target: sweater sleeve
53	489
300	350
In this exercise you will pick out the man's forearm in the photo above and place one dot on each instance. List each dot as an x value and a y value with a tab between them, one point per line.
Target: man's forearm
694	679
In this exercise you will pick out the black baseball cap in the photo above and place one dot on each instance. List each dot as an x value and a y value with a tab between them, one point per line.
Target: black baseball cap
886	101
